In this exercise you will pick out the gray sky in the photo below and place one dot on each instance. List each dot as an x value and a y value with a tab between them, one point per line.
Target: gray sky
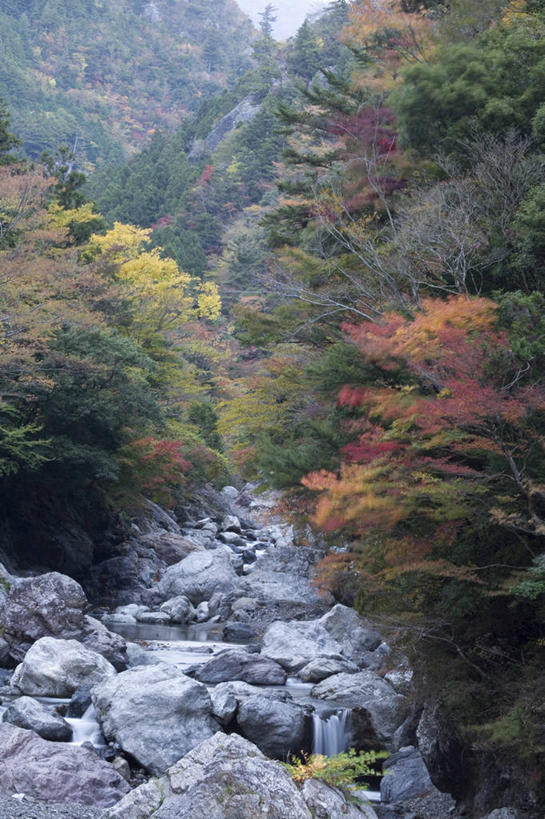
290	13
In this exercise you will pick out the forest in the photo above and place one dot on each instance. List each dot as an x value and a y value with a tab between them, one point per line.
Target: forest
318	266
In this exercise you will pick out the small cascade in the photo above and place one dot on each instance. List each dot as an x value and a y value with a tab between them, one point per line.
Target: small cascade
86	729
332	733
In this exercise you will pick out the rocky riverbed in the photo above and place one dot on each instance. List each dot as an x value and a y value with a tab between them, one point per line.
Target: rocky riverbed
206	655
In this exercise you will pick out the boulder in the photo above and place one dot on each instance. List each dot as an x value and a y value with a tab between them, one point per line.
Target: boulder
153	618
295	644
239	665
325	802
179	609
50	605
322	667
170	547
98	638
231	492
405	776
230	523
56	772
56	668
225	776
503	813
271	719
355	635
383	708
155	713
198	577
26	712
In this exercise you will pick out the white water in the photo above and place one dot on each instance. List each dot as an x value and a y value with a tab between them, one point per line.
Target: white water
332	733
86	729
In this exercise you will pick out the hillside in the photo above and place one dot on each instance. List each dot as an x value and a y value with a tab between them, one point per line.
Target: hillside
101	77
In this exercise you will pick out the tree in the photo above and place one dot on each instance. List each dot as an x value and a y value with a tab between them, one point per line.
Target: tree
8	141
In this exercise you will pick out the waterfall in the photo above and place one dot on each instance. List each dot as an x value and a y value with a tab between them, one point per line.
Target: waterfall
86	729
331	733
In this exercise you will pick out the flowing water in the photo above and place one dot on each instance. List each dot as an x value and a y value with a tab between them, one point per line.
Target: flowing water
332	733
86	729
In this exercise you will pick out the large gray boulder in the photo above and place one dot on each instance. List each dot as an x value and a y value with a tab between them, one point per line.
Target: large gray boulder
240	665
171	547
366	692
226	776
26	712
321	667
51	605
405	776
269	718
294	644
55	668
356	636
179	609
155	713
56	772
198	577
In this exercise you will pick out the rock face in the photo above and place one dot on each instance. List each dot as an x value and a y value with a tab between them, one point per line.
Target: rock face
271	719
368	693
50	605
171	547
354	634
55	668
244	112
406	776
28	713
56	772
155	713
239	665
295	644
198	577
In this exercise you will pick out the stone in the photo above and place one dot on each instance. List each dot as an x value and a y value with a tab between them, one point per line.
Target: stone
367	692
198	577
321	667
239	665
4	652
230	491
245	604
179	609
155	713
55	771
56	668
28	713
325	802
122	767
118	619
50	605
271	719
225	776
231	523
98	638
294	644
355	635
405	776
153	618
80	701
503	813
170	547
231	538
241	632
202	612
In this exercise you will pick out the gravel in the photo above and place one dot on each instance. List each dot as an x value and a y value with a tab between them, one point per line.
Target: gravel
15	807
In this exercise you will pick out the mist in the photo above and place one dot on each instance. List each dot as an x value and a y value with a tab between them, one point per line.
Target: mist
290	13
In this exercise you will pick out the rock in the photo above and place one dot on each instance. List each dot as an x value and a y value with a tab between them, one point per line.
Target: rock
294	644
98	638
132	609
369	693
4	652
202	612
117	619
503	813
198	577
160	518
26	712
405	776
321	667
231	523
126	577
171	547
122	767
225	776
50	605
230	491
271	719
55	771
354	634
241	632
239	665
80	701
231	538
56	668
153	618
179	609
325	802
245	604
155	713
